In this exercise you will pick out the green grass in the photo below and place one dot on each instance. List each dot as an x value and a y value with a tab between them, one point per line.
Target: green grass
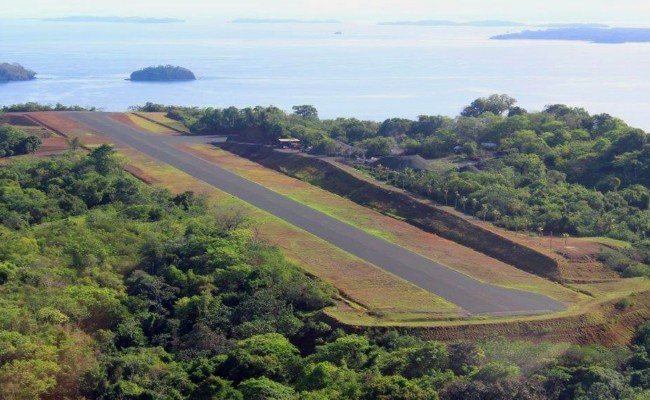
373	303
368	221
619	244
363	283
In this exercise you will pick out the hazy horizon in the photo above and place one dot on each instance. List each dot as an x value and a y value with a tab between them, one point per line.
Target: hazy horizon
631	12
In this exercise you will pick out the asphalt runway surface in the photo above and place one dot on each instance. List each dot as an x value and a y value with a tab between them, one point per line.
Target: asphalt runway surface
468	293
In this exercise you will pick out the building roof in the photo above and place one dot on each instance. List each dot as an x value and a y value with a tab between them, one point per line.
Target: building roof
289	140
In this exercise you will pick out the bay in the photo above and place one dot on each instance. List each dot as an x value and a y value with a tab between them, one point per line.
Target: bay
369	71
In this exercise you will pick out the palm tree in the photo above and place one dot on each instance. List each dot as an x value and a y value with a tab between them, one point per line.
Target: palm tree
496	214
74	143
456	197
475	205
446	191
485	210
463	201
380	171
566	237
410	176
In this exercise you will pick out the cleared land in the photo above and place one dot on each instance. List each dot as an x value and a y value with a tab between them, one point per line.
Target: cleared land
577	265
161	119
470	294
460	258
366	289
373	297
143	123
52	143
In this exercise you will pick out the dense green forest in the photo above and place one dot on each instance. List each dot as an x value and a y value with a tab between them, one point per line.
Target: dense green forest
560	171
15	142
15	72
33	107
111	289
163	73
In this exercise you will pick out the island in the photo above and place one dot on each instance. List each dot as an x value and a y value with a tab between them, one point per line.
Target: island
573	25
115	20
163	73
15	72
433	22
585	34
283	21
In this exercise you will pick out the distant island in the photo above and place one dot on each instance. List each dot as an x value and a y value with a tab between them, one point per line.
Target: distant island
15	72
594	35
116	20
283	21
572	25
433	22
163	73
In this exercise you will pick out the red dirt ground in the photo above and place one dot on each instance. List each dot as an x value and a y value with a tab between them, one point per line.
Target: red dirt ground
52	146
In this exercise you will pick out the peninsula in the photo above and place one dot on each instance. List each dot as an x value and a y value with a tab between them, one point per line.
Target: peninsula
15	72
588	34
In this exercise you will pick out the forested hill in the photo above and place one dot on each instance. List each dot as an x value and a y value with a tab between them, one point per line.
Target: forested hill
110	289
15	72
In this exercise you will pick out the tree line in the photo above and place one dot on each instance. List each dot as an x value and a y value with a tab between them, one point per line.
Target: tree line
560	171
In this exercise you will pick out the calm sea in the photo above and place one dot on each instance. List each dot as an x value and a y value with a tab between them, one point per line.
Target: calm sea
369	71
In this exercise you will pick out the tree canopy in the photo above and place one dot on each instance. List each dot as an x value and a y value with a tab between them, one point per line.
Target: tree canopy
163	73
113	289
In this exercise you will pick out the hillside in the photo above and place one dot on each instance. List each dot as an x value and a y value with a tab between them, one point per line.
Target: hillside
560	172
113	289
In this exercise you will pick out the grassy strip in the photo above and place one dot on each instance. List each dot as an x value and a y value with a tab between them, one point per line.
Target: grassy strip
161	118
373	288
617	244
604	292
457	257
141	123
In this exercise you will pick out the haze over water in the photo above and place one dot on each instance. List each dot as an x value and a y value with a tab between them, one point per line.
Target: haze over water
369	72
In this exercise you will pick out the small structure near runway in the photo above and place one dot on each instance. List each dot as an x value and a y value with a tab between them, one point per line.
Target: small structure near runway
290	143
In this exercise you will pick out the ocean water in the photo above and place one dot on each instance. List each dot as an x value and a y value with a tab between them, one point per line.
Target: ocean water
370	72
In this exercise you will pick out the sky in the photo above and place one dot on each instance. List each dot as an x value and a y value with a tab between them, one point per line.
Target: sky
622	12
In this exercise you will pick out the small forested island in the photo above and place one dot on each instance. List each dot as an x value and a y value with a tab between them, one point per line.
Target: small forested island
163	73
573	25
283	21
116	20
584	34
487	23
15	72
